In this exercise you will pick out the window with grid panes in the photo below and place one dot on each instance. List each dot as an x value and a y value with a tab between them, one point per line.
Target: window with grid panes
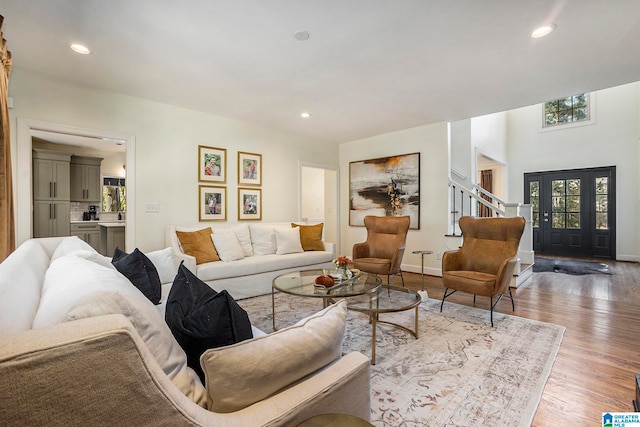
602	203
534	200
565	203
566	110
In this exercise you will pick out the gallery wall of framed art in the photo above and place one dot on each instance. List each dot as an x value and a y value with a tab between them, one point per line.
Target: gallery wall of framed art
213	200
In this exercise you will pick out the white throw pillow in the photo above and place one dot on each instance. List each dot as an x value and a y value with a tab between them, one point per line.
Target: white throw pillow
263	239
227	246
244	238
288	240
244	373
165	263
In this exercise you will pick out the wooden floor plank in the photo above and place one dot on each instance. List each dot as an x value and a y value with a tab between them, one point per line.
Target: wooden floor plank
595	369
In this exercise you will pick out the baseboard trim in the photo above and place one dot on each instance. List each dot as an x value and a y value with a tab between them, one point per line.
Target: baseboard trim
628	258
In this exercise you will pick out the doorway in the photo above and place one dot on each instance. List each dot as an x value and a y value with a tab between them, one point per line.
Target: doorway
319	198
573	212
490	175
23	181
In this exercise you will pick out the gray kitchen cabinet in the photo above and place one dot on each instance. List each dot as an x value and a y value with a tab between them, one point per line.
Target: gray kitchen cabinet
51	218
85	179
111	236
51	206
89	232
51	175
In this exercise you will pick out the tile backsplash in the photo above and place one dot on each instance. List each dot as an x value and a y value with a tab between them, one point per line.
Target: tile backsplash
77	208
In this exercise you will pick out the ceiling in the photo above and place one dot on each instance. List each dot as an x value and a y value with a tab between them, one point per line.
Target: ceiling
368	67
106	145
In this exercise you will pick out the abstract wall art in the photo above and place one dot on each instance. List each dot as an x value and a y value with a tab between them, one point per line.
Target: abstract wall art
386	186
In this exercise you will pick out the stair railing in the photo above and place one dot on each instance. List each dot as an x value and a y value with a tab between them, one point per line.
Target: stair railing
462	203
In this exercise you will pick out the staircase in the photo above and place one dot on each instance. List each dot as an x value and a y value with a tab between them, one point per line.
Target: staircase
478	202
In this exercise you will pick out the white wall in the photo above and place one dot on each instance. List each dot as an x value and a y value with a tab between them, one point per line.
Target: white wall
431	141
489	140
611	141
331	230
313	194
461	152
489	136
112	165
166	145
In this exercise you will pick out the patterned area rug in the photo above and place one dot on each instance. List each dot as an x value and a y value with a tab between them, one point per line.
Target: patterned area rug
460	372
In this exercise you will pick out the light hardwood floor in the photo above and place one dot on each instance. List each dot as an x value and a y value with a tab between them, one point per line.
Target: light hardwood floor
595	369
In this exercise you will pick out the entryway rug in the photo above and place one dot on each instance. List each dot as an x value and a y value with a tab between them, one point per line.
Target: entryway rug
569	266
460	372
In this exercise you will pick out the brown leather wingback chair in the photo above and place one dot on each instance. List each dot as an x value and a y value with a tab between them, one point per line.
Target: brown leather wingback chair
486	261
383	251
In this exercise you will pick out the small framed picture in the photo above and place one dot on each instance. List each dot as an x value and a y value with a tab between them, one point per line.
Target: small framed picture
250	203
212	203
212	164
249	168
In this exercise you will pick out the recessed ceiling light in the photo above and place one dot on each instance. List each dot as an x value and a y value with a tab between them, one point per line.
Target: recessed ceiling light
542	31
301	35
79	48
305	115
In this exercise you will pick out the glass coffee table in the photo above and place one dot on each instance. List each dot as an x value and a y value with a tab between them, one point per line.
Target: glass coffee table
386	299
302	284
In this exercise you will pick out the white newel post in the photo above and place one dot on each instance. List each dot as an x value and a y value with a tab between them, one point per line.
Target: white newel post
525	250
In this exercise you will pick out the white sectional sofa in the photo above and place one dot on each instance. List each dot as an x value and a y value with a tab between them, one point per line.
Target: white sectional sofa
261	262
80	345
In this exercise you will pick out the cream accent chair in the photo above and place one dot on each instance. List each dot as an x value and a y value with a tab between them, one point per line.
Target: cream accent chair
383	251
485	263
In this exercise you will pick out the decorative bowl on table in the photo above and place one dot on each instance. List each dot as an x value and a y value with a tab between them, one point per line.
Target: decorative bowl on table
324	281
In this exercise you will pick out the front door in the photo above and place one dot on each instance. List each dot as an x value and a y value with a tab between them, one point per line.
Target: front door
573	211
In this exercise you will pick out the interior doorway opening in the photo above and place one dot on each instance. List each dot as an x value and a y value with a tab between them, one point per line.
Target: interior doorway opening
490	176
319	198
24	182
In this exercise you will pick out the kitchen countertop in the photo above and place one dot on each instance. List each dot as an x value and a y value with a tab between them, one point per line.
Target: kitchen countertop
106	223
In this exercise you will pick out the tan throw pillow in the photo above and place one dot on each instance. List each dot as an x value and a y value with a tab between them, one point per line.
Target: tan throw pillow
311	236
242	374
198	244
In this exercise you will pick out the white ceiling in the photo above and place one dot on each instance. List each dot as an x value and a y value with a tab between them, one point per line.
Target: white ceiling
105	145
369	66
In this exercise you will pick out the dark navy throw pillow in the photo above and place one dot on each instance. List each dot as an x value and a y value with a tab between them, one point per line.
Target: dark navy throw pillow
140	271
201	318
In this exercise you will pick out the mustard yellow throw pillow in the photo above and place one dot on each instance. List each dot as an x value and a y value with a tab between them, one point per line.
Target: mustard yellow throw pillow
311	236
198	244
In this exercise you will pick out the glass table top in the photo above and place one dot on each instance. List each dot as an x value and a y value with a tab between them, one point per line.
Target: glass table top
385	299
302	283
